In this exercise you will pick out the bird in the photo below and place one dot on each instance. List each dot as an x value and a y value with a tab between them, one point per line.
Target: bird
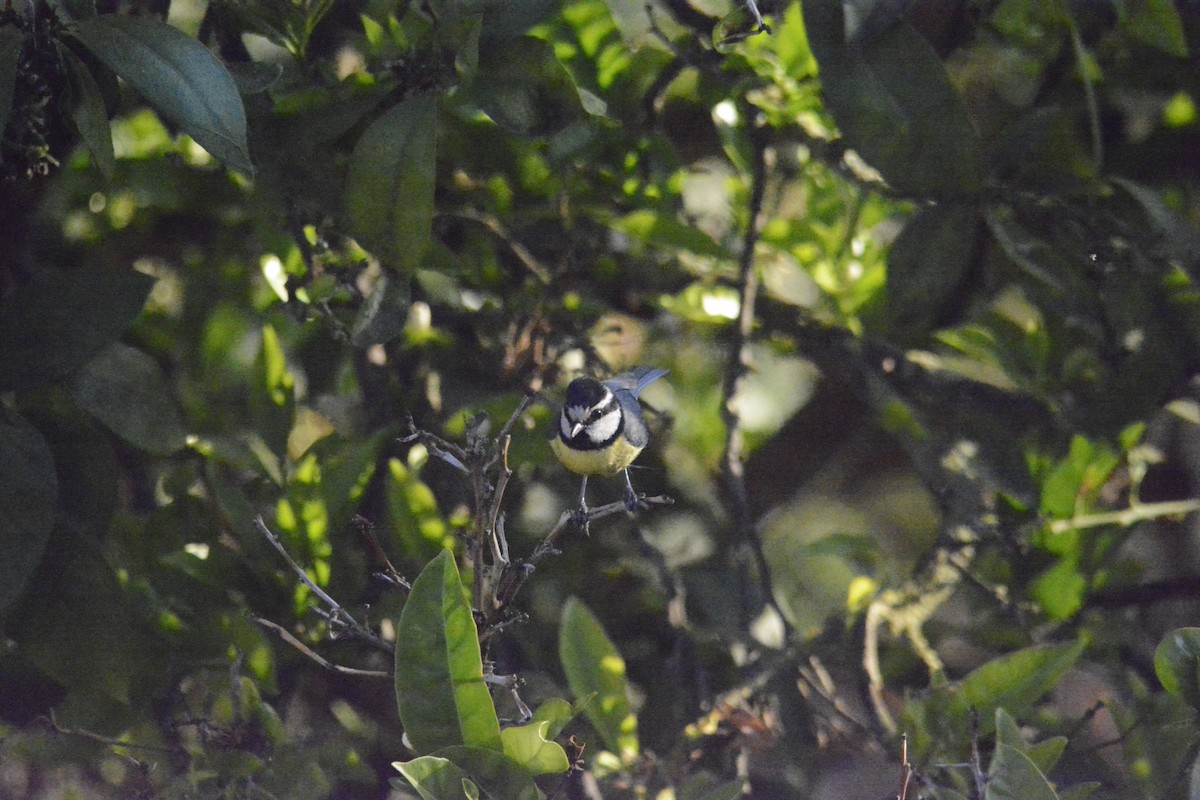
601	429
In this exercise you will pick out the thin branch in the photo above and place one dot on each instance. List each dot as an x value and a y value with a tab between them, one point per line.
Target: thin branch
497	229
286	635
733	466
1141	512
1089	93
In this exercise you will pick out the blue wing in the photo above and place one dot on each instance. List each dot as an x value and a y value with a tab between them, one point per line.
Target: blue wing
634	380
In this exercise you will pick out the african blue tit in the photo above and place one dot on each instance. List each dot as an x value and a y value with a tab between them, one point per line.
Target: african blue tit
601	429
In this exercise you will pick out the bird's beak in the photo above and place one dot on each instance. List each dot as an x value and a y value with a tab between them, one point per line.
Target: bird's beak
579	426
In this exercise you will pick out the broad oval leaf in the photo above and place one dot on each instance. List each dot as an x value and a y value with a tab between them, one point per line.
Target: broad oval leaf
1018	680
1177	664
522	86
178	76
927	265
28	492
440	692
57	321
893	101
390	182
1013	776
593	666
126	390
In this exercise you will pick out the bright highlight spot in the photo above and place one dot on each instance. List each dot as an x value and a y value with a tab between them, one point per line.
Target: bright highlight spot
272	270
726	112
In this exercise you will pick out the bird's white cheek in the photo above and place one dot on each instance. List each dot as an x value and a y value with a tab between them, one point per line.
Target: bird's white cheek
604	428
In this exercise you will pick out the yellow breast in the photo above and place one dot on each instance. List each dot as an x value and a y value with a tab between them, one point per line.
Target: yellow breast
607	461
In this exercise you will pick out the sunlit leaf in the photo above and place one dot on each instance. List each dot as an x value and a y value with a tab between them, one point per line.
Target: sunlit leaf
390	180
178	76
440	692
593	665
28	490
529	746
453	771
1156	23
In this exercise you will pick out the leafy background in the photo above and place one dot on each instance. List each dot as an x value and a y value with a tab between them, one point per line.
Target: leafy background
924	273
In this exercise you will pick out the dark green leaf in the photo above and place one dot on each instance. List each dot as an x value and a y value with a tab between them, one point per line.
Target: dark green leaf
522	86
11	42
272	397
440	692
668	233
383	315
593	666
89	112
1177	664
389	184
75	9
254	77
1018	680
1157	24
178	76
895	105
57	321
504	19
126	390
28	491
1013	776
927	265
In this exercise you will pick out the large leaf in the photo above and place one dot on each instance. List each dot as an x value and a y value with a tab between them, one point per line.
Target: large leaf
1013	776
522	86
894	103
126	390
390	181
178	76
273	396
1177	664
594	667
440	692
57	321
11	42
89	113
927	265
1018	680
446	775
28	491
529	746
1156	23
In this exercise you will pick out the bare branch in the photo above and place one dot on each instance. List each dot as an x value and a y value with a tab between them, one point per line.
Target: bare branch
284	634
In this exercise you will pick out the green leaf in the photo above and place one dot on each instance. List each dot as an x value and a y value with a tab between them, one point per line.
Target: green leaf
529	746
1018	680
11	42
1060	589
390	181
178	76
1013	776
593	665
272	398
58	321
383	315
445	775
440	692
504	19
1177	664
895	105
28	492
660	230
126	390
89	113
927	265
524	89
1156	23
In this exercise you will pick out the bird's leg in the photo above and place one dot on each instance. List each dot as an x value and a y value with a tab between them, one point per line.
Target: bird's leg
580	516
631	498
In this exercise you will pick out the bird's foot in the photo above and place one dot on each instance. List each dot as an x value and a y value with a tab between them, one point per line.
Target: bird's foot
632	501
580	517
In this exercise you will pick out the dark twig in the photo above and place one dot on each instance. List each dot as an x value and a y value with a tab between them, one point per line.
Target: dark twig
284	634
733	466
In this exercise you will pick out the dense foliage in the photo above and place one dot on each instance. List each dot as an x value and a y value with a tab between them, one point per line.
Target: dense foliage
289	292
